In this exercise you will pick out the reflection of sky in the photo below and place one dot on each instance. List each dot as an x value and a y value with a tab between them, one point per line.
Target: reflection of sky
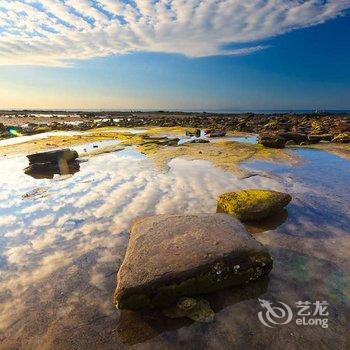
245	139
79	223
74	215
321	184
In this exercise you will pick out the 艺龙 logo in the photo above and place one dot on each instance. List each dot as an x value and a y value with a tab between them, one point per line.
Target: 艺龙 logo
308	313
274	315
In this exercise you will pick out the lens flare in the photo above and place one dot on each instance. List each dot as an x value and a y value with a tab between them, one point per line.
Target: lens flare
13	132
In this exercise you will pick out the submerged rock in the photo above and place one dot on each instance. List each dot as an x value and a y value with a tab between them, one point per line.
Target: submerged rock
198	141
196	310
171	256
253	205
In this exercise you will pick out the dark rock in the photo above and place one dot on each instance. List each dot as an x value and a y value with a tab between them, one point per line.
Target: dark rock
319	138
217	133
193	254
290	143
198	141
197	133
342	138
53	156
272	141
293	136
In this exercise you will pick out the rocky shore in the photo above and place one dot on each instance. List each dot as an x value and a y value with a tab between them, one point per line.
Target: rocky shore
296	128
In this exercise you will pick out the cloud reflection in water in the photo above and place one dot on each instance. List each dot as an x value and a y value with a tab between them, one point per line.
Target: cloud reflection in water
59	252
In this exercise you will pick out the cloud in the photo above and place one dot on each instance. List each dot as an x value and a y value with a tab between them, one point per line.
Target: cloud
55	32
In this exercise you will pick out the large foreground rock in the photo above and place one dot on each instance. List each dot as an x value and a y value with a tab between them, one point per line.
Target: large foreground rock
253	205
171	256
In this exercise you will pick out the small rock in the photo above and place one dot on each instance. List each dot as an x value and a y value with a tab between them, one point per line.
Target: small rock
36	193
293	136
217	133
342	138
272	141
253	205
196	310
319	138
197	141
290	143
197	133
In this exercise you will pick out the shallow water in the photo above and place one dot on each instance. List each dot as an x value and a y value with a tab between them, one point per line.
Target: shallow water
22	139
127	130
245	139
253	139
81	149
62	240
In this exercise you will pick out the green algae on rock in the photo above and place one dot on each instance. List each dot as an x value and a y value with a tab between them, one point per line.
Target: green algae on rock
172	256
197	310
252	204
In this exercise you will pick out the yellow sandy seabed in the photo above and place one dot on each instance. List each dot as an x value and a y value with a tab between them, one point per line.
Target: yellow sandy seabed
155	143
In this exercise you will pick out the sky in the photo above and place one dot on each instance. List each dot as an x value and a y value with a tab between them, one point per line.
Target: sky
175	54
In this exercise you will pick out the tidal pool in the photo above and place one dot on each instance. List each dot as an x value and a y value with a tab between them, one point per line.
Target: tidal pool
63	239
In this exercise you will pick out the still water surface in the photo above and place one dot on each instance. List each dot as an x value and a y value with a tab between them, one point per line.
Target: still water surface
63	239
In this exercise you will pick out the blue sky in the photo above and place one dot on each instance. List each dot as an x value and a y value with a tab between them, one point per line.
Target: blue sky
93	57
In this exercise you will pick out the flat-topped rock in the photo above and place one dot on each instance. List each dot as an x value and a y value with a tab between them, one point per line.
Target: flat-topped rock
171	256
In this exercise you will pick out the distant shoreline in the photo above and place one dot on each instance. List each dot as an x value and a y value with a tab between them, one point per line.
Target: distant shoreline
113	112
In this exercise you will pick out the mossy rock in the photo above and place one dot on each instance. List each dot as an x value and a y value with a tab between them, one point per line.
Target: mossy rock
196	310
42	129
253	205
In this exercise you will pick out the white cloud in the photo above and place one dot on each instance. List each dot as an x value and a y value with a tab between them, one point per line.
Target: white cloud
55	32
